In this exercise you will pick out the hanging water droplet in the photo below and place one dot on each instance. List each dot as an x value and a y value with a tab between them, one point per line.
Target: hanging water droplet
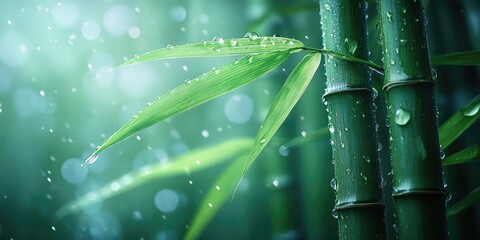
351	45
91	159
284	151
251	35
434	74
333	183
402	116
334	213
472	111
374	93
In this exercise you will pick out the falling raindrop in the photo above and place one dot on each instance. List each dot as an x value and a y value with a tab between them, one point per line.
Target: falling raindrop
402	116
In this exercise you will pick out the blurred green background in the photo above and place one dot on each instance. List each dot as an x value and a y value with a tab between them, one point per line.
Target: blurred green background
54	112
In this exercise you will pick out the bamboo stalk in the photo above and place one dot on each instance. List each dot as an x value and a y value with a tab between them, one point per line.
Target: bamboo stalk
417	172
358	182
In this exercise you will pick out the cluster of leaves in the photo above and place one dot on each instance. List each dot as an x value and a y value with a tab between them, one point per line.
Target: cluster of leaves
261	55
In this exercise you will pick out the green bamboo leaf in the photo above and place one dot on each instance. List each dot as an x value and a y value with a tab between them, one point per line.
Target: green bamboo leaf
192	161
457	58
468	154
251	44
215	198
318	134
459	122
195	92
464	203
283	103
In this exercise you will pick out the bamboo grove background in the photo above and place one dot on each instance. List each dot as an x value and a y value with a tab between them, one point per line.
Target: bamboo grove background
52	114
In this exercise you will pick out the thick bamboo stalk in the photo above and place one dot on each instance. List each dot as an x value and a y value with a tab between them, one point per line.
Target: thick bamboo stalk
358	182
417	172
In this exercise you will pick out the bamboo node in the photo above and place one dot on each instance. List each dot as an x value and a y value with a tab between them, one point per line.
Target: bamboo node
391	85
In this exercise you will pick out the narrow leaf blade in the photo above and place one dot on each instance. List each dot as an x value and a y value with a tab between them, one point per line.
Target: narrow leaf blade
199	90
192	161
318	134
459	122
283	103
469	200
215	198
228	47
457	58
466	155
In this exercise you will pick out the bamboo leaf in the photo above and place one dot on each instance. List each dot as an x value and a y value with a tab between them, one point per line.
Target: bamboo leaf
215	198
192	161
468	154
457	58
252	44
464	203
459	122
195	92
318	134
283	103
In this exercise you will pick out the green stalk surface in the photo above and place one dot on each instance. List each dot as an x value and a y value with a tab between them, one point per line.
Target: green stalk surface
409	87
359	205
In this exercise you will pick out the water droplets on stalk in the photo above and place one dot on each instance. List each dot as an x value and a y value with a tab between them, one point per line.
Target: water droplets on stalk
402	116
351	45
251	35
333	183
334	213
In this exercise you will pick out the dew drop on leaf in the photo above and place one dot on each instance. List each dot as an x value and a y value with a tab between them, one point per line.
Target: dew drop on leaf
251	35
91	159
470	112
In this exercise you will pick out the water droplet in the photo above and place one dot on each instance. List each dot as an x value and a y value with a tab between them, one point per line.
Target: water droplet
442	154
219	40
185	68
139	138
233	42
351	45
390	16
366	158
263	140
331	128
284	151
434	74
363	176
304	134
449	197
188	81
170	46
348	171
250	59
53	228
327	7
9	23
217	187
374	93
402	116
205	133
470	112
251	35
136	56
210	205
91	159
334	213
333	183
